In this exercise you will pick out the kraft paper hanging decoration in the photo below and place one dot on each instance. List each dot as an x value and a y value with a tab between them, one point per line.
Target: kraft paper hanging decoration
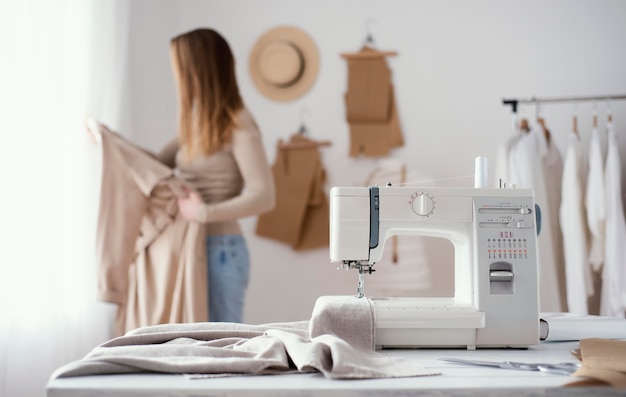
370	104
301	215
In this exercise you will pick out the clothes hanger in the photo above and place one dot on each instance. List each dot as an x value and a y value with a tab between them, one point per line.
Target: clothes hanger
542	122
369	38
303	144
369	50
299	140
367	53
523	125
546	132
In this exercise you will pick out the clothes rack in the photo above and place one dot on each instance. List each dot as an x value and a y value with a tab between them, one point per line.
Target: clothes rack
514	102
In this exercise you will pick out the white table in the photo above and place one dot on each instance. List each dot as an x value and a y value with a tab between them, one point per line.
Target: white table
455	380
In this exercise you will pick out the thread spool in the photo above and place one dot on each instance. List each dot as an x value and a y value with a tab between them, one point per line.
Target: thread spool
480	172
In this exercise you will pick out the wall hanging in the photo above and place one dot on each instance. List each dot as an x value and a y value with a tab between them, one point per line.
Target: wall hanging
301	217
370	104
284	63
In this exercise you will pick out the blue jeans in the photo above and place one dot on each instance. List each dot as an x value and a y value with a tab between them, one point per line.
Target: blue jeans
228	265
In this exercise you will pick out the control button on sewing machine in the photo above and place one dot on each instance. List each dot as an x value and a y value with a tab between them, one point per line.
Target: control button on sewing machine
423	204
519	225
501	275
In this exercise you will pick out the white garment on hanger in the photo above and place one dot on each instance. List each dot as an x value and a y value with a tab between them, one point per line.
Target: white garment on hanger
574	228
524	166
553	175
502	160
595	201
525	170
613	297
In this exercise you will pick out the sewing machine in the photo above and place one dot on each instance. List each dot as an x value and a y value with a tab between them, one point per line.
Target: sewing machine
493	231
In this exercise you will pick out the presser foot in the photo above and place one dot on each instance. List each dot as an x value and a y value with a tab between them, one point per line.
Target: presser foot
360	288
362	269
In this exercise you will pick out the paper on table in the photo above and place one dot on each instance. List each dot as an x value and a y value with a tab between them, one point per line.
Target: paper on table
570	326
603	362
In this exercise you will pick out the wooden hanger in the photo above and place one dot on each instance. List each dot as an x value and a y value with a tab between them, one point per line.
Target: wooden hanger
575	125
304	144
368	53
546	131
523	125
299	139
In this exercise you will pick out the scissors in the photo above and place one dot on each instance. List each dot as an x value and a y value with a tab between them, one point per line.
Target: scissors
560	368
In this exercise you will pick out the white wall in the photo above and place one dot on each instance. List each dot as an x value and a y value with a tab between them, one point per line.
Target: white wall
456	60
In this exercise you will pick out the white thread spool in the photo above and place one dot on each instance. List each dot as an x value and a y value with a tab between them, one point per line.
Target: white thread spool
480	172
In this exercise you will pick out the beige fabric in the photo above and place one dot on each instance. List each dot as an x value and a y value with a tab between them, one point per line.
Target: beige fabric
552	164
603	361
229	348
339	314
151	261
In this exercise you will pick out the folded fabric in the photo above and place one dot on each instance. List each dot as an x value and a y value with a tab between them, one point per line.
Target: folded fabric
603	361
339	315
232	348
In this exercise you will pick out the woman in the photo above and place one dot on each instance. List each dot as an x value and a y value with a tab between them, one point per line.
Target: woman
220	153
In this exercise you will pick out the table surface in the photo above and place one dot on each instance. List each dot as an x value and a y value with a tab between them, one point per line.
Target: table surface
455	379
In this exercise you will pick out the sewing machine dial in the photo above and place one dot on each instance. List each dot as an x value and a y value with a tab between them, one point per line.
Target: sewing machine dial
422	203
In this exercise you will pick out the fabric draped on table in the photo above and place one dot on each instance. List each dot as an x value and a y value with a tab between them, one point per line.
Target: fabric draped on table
337	342
151	262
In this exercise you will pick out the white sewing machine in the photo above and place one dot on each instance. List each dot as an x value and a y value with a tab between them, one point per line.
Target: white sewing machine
494	234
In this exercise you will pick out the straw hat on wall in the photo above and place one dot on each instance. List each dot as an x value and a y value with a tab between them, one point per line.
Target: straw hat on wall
284	63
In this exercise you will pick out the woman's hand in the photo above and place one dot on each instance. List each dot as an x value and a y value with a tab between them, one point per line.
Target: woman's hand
190	205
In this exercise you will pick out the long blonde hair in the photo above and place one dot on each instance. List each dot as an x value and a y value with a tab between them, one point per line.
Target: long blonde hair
208	95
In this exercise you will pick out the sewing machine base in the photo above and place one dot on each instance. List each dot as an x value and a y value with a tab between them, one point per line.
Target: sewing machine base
428	323
421	338
432	338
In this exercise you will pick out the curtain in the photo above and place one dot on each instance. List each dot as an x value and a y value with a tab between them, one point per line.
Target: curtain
61	61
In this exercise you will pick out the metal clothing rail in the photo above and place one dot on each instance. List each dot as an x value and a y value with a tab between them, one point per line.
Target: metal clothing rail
515	102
